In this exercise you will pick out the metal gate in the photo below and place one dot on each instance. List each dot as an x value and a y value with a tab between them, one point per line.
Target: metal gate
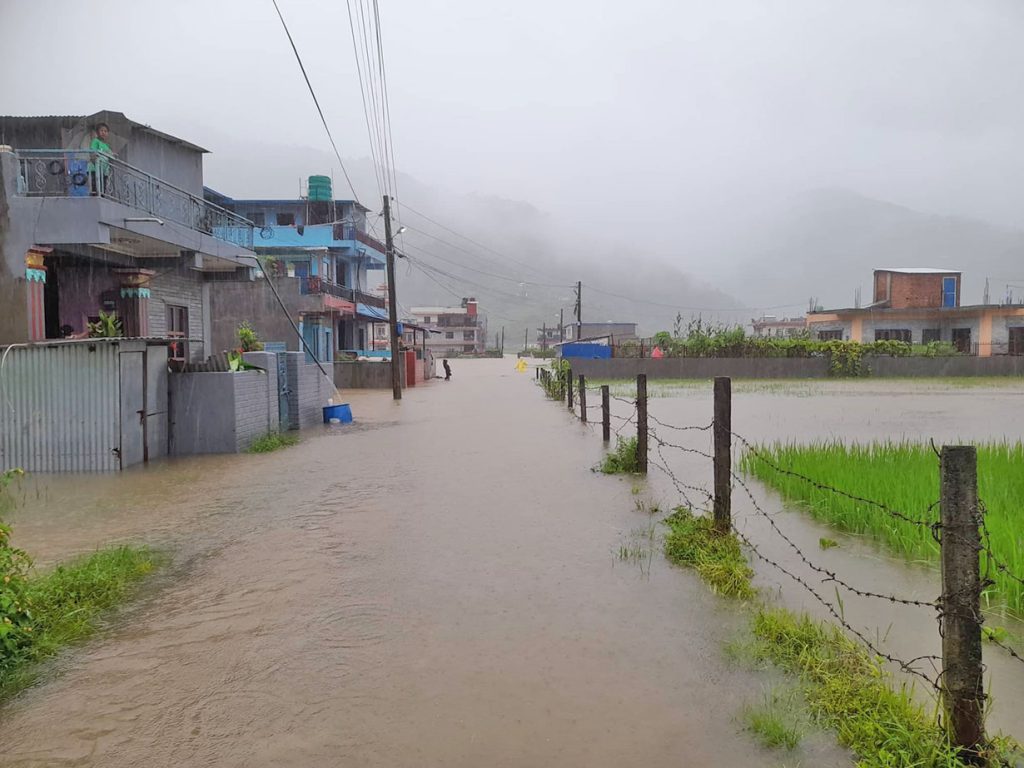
283	390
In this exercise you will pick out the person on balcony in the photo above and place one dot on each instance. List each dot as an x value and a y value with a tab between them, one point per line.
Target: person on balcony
99	166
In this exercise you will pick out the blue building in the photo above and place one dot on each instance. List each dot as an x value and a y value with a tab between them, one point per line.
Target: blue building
325	264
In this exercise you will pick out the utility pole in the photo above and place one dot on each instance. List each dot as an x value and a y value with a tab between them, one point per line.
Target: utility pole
561	324
389	246
502	345
579	309
544	336
526	339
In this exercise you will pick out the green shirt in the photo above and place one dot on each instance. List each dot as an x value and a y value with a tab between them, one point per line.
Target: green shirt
100	146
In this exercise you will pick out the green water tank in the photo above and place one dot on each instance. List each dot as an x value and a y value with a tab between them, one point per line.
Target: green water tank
320	188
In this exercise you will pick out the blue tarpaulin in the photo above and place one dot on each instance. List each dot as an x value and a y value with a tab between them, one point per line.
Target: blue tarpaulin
588	351
372	313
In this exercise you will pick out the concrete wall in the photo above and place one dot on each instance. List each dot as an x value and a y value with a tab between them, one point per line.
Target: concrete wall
219	412
308	391
365	375
181	166
703	368
267	361
181	287
794	368
233	302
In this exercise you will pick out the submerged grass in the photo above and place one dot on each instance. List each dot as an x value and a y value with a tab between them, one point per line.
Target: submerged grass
623	460
272	441
692	541
850	692
775	720
905	477
64	605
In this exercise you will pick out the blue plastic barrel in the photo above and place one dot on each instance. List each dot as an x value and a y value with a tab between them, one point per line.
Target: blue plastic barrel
341	412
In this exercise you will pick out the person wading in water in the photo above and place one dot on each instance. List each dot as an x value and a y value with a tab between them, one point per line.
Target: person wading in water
447	369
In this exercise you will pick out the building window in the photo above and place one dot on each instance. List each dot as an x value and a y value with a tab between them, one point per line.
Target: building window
892	334
949	291
177	328
929	335
830	335
257	218
449	335
467	348
426	318
286	219
468	335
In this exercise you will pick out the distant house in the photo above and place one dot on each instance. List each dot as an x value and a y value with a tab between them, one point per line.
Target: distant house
459	330
618	332
770	326
548	336
317	252
922	305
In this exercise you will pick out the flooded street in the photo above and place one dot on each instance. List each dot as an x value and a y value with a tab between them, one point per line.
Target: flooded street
437	585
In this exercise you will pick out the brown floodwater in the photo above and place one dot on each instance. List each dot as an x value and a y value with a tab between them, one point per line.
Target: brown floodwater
436	585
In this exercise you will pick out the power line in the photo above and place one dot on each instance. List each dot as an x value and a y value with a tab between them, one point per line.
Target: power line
362	94
316	101
690	309
469	239
484	272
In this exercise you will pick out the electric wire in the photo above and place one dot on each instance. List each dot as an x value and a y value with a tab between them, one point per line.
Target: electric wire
316	101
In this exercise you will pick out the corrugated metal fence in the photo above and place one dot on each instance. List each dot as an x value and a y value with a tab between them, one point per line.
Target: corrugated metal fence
59	407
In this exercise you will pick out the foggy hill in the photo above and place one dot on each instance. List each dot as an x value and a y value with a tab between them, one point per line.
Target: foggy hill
523	265
826	243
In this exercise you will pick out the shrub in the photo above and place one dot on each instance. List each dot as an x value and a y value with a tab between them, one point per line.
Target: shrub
623	460
248	339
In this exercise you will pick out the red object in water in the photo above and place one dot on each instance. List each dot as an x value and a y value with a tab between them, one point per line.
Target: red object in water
656	352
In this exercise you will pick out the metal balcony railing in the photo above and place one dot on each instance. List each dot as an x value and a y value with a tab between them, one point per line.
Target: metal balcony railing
82	173
317	285
350	232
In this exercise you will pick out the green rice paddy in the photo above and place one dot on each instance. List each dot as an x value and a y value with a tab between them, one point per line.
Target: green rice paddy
903	477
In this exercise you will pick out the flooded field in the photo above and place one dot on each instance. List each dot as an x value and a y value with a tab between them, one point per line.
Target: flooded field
946	412
438	585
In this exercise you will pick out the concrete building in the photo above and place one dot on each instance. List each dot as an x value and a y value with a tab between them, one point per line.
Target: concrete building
619	332
548	336
129	234
322	260
922	305
770	326
453	330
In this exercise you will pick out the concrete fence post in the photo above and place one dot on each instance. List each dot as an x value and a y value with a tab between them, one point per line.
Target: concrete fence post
583	398
606	413
641	422
568	389
962	682
723	454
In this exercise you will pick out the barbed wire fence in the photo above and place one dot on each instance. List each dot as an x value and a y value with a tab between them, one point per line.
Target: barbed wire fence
967	560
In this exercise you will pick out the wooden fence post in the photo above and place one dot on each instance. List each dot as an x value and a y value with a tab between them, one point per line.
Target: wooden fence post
568	389
723	454
606	413
583	398
641	422
962	683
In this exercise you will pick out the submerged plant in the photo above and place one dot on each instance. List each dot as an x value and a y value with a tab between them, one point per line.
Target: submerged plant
693	541
272	441
624	459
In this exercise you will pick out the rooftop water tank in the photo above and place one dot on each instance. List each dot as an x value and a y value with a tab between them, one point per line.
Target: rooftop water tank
320	188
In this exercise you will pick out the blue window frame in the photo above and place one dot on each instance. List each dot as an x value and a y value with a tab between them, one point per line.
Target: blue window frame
949	292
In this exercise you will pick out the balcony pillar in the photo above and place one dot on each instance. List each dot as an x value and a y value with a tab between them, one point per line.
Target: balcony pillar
133	303
35	296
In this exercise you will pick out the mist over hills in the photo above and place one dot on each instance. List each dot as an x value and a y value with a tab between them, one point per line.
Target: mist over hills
522	263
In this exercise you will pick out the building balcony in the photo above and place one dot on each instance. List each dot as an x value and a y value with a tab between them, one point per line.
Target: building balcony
345	237
83	197
316	286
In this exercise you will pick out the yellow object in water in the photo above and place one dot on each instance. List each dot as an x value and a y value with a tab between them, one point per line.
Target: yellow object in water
521	365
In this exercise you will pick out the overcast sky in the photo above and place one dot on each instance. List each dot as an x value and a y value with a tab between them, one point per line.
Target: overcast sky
640	114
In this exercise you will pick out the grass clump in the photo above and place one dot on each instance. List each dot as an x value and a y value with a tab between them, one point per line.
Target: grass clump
693	541
272	441
623	460
775	720
905	477
43	613
850	692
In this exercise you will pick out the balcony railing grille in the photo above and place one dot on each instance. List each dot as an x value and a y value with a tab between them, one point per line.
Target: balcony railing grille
74	173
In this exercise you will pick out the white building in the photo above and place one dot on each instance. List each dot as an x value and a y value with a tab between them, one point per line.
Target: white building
460	330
